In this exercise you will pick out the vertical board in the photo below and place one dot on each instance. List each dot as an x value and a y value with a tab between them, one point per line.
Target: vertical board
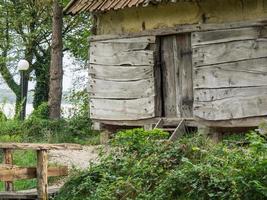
230	70
122	79
169	75
185	75
177	83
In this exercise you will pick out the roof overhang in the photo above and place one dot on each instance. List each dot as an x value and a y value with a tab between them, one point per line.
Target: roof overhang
95	6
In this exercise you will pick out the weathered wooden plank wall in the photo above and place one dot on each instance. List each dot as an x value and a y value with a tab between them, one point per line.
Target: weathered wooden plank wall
122	79
230	73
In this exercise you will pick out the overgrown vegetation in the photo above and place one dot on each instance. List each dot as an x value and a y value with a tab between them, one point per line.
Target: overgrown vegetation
141	165
76	128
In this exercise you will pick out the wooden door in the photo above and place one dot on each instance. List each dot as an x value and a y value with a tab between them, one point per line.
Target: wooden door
177	82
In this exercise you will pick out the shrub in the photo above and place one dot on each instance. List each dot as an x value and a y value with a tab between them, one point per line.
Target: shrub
143	166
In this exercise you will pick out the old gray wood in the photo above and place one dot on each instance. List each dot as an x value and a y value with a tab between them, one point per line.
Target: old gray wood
245	73
110	49
229	52
208	95
177	75
228	35
133	109
121	89
183	29
142	57
232	108
121	73
169	64
185	76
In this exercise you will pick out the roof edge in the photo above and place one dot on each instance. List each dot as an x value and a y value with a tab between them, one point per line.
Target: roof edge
68	6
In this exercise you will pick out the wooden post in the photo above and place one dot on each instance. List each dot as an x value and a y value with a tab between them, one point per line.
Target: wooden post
8	159
42	164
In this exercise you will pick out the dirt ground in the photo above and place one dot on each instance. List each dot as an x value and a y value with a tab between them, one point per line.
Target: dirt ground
79	159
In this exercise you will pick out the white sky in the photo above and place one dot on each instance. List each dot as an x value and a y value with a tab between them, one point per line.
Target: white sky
69	66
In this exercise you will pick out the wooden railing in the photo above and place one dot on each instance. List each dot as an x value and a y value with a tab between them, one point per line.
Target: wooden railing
10	173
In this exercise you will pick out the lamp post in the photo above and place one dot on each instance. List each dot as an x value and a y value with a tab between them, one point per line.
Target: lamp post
23	66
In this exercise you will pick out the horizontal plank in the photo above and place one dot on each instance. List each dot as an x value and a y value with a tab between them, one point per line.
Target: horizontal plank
195	122
110	49
235	74
171	121
36	146
232	108
142	39
21	173
143	57
121	90
241	123
226	93
182	29
121	73
229	52
228	35
113	109
28	194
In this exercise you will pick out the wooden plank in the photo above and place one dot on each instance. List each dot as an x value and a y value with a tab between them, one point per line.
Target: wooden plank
134	109
170	121
36	146
120	73
27	194
247	73
183	29
241	123
114	48
229	52
8	159
42	181
158	80
232	108
20	173
142	39
169	75
179	131
143	57
185	76
193	122
121	90
228	35
207	95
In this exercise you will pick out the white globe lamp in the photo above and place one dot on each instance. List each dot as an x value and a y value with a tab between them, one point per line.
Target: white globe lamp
23	65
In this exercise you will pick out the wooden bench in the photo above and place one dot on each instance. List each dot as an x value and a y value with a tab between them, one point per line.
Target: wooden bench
10	173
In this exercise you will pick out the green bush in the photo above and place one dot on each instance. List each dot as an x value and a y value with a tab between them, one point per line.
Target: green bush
143	166
38	128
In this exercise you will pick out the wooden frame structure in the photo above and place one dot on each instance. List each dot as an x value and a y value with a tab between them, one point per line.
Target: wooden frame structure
208	70
10	173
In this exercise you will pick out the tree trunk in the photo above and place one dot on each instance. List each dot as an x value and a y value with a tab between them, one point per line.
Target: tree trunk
56	69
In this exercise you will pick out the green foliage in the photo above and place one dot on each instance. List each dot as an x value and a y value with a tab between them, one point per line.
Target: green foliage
143	166
41	112
2	116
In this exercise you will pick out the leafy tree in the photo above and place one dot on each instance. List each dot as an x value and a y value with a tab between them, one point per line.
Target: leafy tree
26	31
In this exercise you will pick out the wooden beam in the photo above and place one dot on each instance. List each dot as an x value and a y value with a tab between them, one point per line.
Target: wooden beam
8	159
179	131
191	122
12	173
182	29
27	194
31	146
42	164
171	121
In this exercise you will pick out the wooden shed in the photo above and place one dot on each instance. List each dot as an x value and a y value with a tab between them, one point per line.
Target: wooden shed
201	61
